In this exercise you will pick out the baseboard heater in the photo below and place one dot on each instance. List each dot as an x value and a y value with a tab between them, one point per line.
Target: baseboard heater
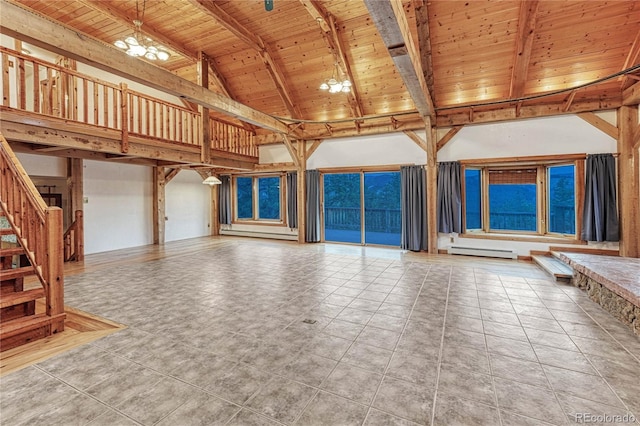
236	233
484	252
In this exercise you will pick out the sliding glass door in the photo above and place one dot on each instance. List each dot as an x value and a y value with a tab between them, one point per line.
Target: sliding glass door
342	208
362	208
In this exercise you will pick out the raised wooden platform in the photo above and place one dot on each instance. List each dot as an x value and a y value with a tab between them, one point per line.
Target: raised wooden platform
612	281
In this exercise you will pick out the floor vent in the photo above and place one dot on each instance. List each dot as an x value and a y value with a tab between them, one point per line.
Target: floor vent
484	252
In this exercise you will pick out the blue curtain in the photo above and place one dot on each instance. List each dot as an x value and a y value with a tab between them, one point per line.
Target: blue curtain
600	212
413	204
312	178
449	197
224	201
292	199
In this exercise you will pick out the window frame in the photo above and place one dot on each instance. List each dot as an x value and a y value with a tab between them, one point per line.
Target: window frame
255	197
542	195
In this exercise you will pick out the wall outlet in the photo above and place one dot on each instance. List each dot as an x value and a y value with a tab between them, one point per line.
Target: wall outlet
85	200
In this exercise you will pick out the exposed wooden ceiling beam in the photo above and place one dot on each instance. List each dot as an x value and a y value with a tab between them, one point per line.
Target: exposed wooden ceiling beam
28	26
256	43
447	137
632	58
121	18
600	124
424	42
631	95
391	21
524	45
329	31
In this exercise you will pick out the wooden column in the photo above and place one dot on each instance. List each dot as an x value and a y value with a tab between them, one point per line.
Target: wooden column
158	205
432	187
629	181
203	80
75	179
301	195
215	210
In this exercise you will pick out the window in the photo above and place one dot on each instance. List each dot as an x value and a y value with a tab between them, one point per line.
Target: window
259	198
533	199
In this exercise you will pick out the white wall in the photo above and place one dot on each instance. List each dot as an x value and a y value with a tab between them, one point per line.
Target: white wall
378	150
118	213
42	165
187	207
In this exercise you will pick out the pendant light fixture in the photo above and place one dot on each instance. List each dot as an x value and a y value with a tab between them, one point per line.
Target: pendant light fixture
137	44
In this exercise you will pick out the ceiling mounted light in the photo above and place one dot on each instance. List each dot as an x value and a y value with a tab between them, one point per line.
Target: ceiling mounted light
212	180
334	84
138	45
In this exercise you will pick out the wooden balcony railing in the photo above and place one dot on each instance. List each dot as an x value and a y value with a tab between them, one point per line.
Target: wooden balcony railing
37	227
39	87
74	239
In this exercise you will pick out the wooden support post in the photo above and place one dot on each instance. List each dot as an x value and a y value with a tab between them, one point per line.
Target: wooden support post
432	188
215	210
79	237
124	116
54	267
158	205
75	176
203	80
628	182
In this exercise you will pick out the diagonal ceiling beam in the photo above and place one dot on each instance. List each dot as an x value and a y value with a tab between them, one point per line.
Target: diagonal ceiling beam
328	25
424	42
524	45
391	21
257	44
31	27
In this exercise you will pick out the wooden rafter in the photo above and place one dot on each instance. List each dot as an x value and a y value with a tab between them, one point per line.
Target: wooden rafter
329	30
116	15
424	41
256	43
391	21
28	26
524	45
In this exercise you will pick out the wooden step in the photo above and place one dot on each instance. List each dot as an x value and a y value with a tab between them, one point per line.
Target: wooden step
20	297
9	274
557	268
12	251
24	330
11	286
6	231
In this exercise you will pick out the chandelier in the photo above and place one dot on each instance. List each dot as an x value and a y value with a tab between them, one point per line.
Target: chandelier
138	45
334	84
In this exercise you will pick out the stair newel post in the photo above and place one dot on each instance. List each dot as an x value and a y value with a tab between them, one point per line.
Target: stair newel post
54	271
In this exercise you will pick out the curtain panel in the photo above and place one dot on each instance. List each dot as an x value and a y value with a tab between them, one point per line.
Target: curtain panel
224	201
449	197
312	232
413	206
600	212
292	199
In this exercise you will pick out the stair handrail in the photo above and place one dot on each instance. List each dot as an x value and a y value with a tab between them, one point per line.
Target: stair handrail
37	227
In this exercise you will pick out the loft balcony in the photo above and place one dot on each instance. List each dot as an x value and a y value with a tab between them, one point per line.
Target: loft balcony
54	109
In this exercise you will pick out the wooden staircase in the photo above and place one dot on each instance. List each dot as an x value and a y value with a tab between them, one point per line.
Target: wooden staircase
31	257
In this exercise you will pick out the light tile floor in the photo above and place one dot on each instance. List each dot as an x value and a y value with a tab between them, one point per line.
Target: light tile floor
395	338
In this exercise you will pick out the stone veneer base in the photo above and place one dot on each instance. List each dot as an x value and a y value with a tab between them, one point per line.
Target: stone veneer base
617	306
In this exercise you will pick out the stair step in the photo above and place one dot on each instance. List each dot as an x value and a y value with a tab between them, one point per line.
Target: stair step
24	330
20	297
11	286
13	251
553	266
6	231
9	274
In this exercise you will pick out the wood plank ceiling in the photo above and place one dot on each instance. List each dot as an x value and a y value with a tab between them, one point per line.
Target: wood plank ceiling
480	58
